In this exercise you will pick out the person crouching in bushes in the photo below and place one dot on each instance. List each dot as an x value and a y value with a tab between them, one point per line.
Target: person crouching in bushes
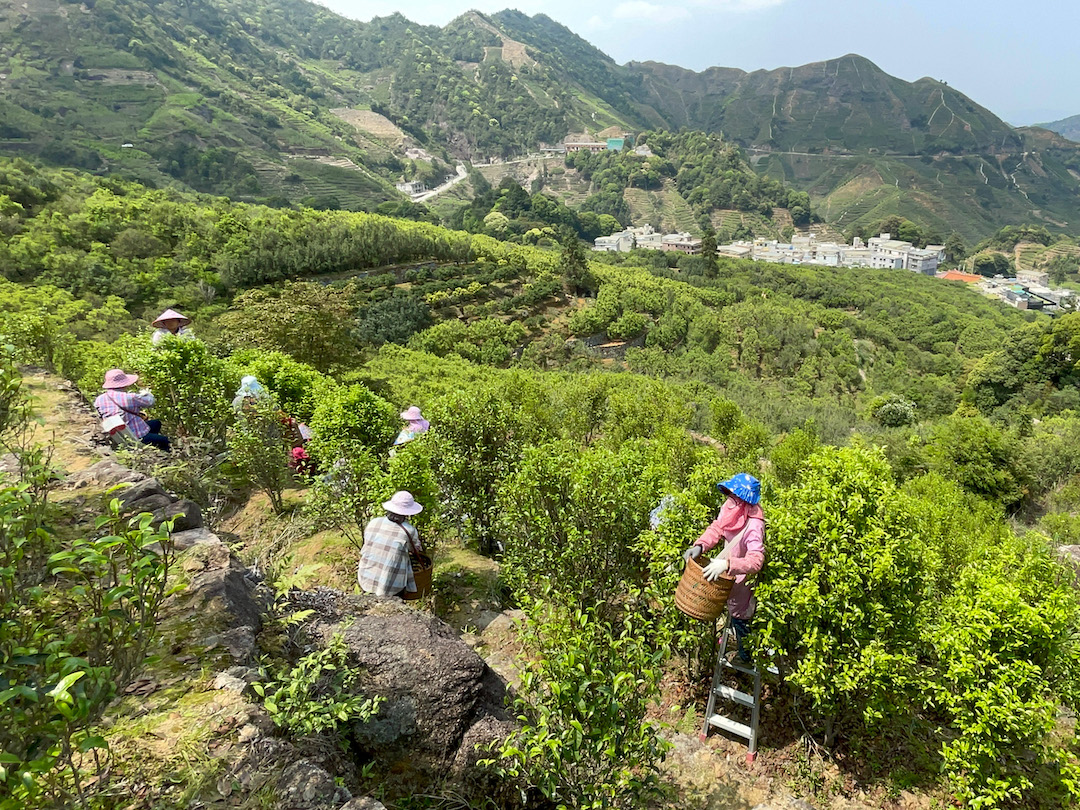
250	392
171	322
415	424
248	397
389	543
741	525
118	401
301	463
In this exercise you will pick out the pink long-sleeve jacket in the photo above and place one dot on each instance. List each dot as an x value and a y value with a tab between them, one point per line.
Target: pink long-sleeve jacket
745	551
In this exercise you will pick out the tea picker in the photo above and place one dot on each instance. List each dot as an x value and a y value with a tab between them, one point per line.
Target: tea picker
727	581
392	561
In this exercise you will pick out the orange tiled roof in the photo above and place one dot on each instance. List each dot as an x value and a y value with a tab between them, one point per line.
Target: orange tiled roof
956	275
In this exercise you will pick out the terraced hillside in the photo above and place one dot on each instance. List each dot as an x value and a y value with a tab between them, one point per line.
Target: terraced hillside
221	95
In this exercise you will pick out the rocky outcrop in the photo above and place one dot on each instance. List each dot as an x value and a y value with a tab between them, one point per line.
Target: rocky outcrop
441	699
305	786
103	474
221	599
144	495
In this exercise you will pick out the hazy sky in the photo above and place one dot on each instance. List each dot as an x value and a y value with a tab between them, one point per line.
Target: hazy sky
1019	59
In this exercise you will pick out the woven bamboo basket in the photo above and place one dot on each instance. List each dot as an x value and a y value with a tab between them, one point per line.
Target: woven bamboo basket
697	597
422	577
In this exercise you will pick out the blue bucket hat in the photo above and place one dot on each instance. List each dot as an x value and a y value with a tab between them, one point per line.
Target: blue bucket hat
743	486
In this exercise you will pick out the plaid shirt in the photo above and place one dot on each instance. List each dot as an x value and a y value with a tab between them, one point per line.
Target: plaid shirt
128	407
385	569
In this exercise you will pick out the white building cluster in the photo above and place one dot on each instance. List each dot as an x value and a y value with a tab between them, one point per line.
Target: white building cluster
645	238
880	251
1029	289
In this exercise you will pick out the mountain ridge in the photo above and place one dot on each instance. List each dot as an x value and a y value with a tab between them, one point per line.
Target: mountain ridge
248	98
1066	127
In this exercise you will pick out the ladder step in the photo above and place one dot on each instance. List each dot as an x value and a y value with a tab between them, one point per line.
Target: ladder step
734	694
747	670
738	667
731	726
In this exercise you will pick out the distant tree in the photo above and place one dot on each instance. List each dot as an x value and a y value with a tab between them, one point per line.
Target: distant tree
307	320
1061	266
955	248
708	252
991	264
573	263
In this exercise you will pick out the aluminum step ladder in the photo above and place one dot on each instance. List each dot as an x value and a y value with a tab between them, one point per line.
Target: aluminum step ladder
752	701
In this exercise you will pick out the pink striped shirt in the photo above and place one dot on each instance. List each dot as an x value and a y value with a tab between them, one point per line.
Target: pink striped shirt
128	407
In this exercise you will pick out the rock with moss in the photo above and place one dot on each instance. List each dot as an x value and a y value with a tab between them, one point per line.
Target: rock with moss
441	699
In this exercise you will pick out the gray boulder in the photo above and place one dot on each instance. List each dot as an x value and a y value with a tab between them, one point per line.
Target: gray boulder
364	803
184	514
182	541
105	473
219	595
440	696
305	786
144	489
150	503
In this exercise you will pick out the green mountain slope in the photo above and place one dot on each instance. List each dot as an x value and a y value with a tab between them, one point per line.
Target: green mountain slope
1068	127
284	100
269	82
866	144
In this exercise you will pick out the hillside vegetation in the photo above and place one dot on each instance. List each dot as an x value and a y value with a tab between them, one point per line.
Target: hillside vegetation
283	100
916	444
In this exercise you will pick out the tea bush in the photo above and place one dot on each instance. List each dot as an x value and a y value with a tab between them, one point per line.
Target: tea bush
570	516
840	595
585	740
477	439
1006	656
348	418
259	444
65	648
318	694
193	388
297	386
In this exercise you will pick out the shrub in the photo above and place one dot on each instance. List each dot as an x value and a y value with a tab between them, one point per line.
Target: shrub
726	417
892	410
259	444
64	652
346	497
348	417
477	440
318	693
571	517
839	596
1006	655
628	326
585	690
192	388
983	459
297	386
789	457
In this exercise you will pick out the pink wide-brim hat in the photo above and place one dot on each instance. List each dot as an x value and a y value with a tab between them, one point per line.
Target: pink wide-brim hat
403	503
170	315
116	378
412	415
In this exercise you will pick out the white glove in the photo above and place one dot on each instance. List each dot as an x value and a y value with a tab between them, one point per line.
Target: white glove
715	569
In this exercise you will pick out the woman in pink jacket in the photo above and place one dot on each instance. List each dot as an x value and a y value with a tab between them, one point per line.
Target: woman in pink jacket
741	525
